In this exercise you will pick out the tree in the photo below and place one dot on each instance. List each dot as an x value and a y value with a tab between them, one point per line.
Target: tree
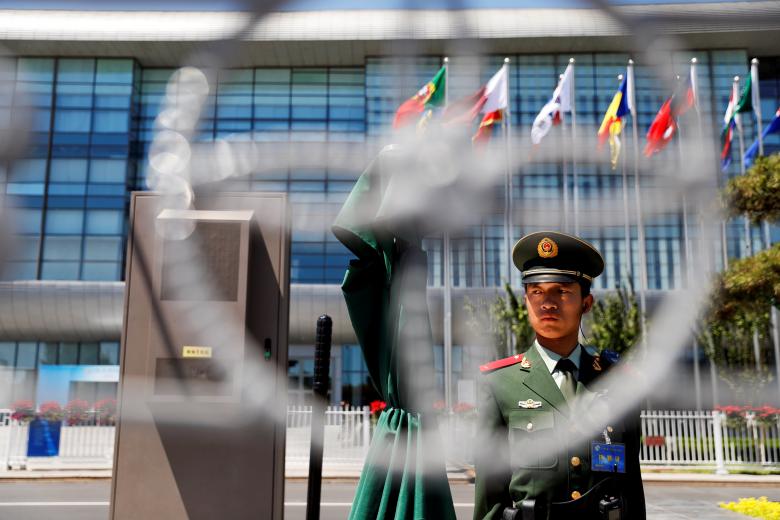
737	320
728	342
493	319
614	324
757	193
751	283
615	321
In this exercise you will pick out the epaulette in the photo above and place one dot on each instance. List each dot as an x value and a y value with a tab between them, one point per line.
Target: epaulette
610	356
501	363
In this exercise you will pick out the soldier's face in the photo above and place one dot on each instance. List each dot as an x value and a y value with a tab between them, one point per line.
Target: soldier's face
555	309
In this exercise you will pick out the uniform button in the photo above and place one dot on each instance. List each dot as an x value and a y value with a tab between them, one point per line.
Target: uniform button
575	495
575	461
529	426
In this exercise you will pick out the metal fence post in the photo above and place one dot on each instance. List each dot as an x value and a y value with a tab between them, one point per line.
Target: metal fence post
366	429
318	415
720	467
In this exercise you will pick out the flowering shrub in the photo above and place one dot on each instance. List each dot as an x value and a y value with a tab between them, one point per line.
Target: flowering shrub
735	415
377	407
106	411
24	411
76	411
766	415
756	507
465	410
51	411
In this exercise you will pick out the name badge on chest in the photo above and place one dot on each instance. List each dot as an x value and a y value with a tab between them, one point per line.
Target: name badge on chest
610	458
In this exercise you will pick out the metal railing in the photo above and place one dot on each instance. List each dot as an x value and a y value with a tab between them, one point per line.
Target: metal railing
701	439
708	439
347	437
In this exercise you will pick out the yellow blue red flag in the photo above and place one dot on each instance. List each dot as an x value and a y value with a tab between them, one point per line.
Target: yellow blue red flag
612	123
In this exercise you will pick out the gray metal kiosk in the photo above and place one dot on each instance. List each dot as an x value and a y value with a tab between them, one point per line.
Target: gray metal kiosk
204	360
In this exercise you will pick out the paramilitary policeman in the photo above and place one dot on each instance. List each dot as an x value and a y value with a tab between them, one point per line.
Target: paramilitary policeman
542	453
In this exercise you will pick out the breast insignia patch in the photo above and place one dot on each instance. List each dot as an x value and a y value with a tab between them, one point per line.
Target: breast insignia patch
529	404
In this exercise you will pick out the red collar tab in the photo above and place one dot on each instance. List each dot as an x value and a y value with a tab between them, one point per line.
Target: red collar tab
501	363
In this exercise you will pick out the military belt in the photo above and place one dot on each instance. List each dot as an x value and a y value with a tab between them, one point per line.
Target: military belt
596	504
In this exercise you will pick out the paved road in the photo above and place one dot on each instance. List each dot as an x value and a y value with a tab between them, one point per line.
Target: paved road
88	500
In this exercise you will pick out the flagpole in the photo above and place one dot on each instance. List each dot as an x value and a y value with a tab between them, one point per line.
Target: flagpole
704	248
748	237
508	215
447	304
626	217
575	190
767	235
638	201
741	138
508	222
687	246
756	93
564	171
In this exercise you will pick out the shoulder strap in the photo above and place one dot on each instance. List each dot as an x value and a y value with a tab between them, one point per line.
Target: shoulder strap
501	363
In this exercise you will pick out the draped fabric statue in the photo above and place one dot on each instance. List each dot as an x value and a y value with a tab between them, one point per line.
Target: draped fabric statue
404	475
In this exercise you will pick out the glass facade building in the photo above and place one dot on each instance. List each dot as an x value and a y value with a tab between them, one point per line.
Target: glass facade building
92	121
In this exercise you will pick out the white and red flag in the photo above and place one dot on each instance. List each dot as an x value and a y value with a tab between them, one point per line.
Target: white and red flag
551	113
492	100
496	102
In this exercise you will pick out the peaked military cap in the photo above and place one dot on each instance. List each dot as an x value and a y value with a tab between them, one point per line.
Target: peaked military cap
550	256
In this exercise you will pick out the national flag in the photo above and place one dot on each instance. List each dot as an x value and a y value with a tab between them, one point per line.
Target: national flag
661	129
664	125
550	115
746	99
496	101
430	95
774	126
485	129
496	92
612	123
464	110
729	123
684	97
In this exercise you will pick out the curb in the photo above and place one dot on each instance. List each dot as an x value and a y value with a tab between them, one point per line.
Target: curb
707	478
453	477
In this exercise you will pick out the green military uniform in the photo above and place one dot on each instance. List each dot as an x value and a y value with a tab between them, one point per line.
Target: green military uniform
533	445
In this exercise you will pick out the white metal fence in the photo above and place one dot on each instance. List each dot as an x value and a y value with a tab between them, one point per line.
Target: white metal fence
702	439
347	436
708	439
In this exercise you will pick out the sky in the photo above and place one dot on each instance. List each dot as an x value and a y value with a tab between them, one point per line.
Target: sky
306	5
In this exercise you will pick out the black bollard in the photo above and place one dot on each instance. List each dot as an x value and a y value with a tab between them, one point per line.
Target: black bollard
319	405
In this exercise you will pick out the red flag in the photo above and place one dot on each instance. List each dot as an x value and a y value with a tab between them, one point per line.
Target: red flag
661	130
486	127
465	109
665	123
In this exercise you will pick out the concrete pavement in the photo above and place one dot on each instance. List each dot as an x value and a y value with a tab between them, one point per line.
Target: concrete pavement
88	499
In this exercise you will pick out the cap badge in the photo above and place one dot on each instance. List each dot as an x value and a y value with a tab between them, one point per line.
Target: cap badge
547	248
